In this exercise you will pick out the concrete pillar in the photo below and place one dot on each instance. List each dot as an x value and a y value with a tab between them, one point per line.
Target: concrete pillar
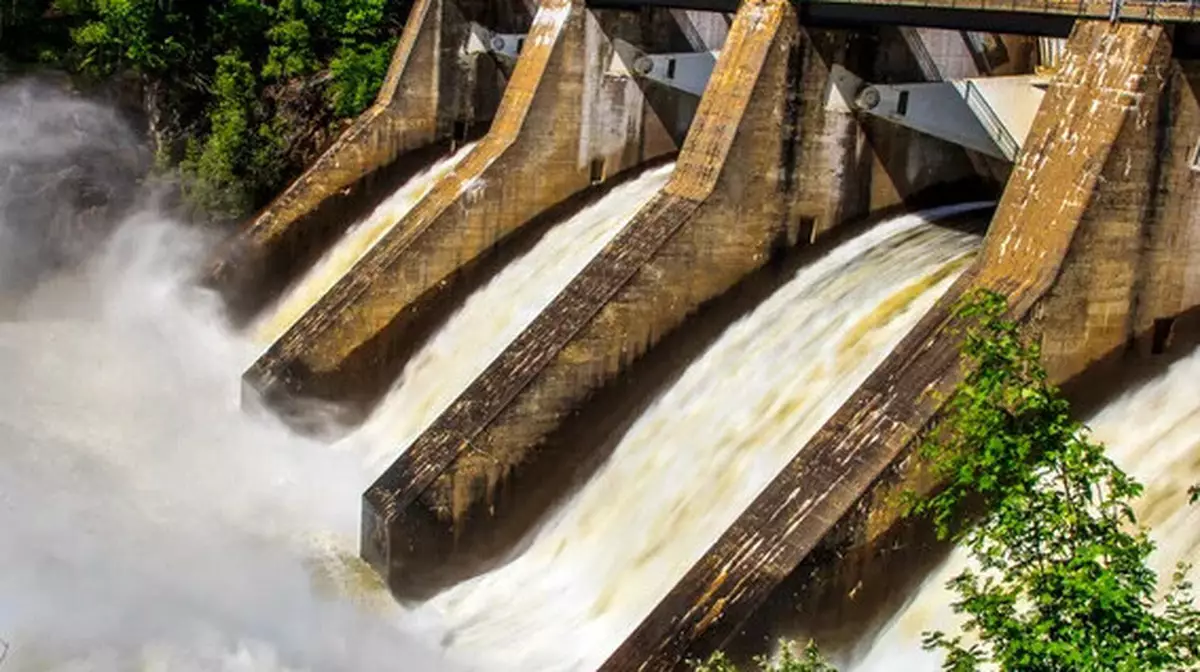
562	126
433	90
775	158
1073	186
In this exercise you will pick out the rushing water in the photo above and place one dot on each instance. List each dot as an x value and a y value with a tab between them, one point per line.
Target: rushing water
352	246
146	522
697	457
1153	433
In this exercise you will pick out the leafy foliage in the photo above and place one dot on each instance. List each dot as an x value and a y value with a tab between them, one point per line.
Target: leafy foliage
221	61
1062	582
810	660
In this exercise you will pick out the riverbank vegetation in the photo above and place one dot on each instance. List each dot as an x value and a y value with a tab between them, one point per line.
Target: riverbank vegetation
1060	580
240	94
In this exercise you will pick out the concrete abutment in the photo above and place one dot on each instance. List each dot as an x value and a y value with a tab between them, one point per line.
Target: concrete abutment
436	92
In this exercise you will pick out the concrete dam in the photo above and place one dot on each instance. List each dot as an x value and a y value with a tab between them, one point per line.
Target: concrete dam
629	314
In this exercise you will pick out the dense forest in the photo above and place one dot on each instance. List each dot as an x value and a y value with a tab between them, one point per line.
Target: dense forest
238	94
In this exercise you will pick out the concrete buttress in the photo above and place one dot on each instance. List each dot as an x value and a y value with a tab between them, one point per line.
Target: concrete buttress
561	127
1064	246
433	89
773	160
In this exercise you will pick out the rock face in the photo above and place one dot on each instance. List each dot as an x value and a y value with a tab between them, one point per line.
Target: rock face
775	159
60	198
1072	244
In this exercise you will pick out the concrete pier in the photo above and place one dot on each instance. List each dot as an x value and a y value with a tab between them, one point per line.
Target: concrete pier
1067	247
436	91
775	159
563	126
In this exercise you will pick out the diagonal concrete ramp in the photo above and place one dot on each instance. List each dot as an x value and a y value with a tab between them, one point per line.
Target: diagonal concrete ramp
433	89
561	127
1065	245
772	161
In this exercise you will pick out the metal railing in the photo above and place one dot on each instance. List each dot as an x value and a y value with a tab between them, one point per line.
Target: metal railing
925	60
1114	10
991	121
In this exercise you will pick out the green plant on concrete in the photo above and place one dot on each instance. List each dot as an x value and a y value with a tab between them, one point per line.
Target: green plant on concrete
810	660
1062	582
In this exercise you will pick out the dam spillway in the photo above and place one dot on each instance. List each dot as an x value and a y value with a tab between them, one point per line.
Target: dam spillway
512	302
472	337
693	457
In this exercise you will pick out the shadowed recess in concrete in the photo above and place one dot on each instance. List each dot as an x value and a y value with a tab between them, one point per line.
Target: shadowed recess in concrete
1099	125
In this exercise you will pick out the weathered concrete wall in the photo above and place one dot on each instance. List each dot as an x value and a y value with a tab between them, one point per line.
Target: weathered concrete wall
1063	222
1137	265
562	123
433	89
772	161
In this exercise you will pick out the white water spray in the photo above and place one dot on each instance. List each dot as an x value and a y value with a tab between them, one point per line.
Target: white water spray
145	521
699	455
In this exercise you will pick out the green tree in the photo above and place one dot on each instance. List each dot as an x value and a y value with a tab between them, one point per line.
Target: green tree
1062	582
211	167
237	82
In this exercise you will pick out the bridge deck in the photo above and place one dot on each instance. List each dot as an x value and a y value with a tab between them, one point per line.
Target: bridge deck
1048	17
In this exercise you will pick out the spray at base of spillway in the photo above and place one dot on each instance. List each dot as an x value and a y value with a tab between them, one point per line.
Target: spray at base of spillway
145	521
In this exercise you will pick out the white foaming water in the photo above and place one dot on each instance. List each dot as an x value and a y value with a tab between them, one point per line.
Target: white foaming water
1153	433
146	521
150	523
699	455
492	317
352	246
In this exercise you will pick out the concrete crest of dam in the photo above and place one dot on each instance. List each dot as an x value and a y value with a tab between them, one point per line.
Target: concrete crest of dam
627	185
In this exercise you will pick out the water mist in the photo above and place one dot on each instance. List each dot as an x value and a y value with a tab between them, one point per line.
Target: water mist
146	521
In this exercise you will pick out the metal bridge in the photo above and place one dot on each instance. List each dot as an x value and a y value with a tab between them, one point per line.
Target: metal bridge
1034	17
